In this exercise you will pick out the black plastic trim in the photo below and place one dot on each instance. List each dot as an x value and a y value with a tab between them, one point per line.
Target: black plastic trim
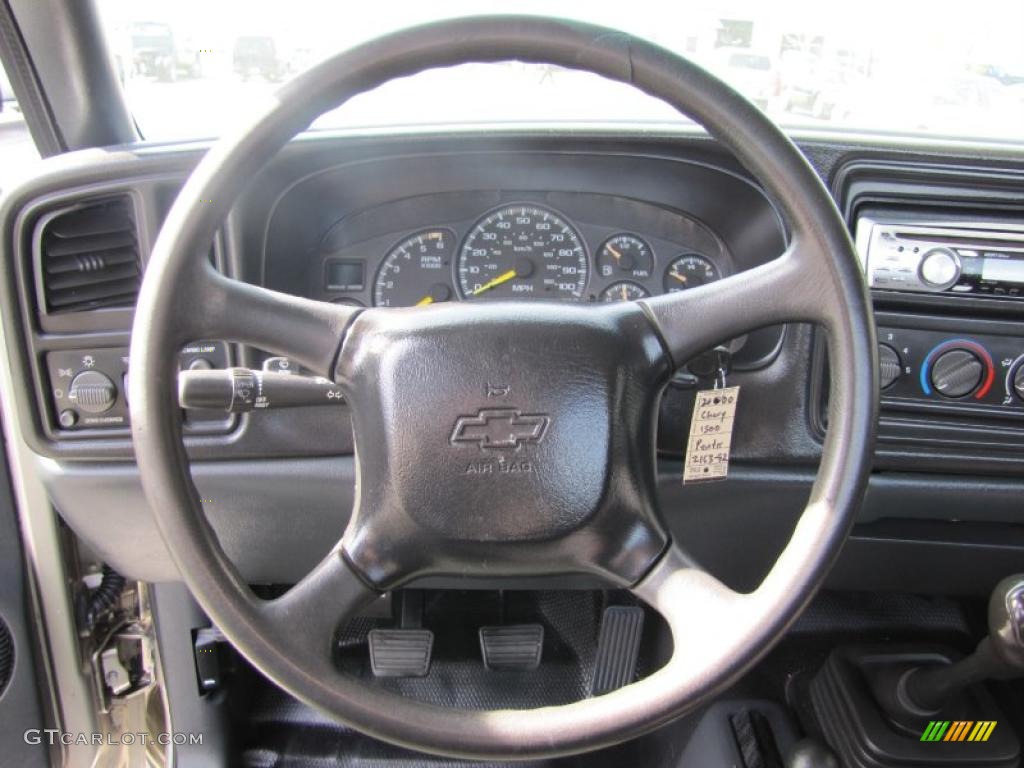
948	439
958	191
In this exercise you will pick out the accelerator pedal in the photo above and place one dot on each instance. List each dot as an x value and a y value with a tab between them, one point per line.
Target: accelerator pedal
515	646
618	646
400	652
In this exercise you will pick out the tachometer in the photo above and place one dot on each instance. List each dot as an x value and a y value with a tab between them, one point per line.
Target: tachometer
415	272
523	251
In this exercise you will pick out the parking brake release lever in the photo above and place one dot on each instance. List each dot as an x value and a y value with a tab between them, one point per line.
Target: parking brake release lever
238	390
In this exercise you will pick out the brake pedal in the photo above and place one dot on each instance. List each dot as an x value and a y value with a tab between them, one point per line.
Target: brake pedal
400	652
618	646
515	646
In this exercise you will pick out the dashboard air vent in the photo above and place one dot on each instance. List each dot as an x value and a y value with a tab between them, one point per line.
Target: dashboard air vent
89	257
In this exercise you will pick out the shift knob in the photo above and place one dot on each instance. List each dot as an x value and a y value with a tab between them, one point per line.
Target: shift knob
1006	621
1000	656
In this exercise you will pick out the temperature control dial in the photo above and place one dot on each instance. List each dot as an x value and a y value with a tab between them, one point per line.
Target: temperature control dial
957	373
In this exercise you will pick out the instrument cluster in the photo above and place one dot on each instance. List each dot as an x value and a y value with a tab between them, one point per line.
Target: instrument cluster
528	250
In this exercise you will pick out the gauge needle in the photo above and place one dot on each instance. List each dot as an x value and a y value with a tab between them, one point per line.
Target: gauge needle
625	293
677	276
616	254
502	278
424	301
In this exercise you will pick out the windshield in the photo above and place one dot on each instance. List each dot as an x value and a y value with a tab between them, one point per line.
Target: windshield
192	68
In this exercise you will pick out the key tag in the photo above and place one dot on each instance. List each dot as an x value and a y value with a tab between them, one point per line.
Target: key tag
707	450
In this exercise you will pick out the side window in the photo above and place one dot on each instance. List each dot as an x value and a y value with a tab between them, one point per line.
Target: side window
17	150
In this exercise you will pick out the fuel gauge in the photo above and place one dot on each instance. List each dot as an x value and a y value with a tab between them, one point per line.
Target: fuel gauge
625	255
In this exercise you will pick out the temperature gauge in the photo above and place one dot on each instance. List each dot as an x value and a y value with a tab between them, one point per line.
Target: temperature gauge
689	271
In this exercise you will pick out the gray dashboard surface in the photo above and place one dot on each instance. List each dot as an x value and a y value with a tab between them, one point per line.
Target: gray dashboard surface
277	518
280	486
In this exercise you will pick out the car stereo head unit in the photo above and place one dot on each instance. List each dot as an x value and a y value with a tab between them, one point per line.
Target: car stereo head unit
961	258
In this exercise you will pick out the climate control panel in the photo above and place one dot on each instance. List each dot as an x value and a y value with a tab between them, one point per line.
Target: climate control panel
89	387
935	370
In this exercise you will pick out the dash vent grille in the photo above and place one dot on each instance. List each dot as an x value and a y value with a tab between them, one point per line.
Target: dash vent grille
89	257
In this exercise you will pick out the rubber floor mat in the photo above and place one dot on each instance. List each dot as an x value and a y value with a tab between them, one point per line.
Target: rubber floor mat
281	732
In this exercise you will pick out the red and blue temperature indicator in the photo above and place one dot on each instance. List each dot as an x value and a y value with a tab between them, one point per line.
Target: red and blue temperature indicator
988	375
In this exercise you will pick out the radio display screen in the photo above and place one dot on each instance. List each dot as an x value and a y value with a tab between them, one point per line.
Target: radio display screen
1003	270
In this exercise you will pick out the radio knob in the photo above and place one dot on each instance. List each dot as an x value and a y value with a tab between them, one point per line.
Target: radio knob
940	268
889	366
956	373
93	392
1018	382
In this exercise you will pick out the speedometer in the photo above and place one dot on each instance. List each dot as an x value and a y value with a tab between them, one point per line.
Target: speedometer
523	251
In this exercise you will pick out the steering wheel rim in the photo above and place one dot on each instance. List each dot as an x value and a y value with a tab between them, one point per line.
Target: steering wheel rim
817	280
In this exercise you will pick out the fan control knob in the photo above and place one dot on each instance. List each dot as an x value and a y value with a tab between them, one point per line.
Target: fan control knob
889	366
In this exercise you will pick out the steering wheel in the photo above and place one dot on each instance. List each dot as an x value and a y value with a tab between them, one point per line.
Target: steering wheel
586	378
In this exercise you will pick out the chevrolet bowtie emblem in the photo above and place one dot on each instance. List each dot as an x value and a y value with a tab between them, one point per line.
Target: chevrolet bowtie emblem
500	429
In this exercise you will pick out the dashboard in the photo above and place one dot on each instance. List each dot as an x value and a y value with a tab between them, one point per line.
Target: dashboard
570	215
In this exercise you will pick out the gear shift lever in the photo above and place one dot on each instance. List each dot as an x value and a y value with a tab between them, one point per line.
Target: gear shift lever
999	656
873	703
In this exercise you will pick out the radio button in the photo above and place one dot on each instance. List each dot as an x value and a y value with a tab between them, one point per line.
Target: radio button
889	366
956	373
940	268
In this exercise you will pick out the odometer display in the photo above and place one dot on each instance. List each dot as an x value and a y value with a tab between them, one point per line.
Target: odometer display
522	251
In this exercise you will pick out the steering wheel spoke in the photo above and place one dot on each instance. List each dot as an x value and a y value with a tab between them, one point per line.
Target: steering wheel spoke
309	332
702	613
789	288
312	609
